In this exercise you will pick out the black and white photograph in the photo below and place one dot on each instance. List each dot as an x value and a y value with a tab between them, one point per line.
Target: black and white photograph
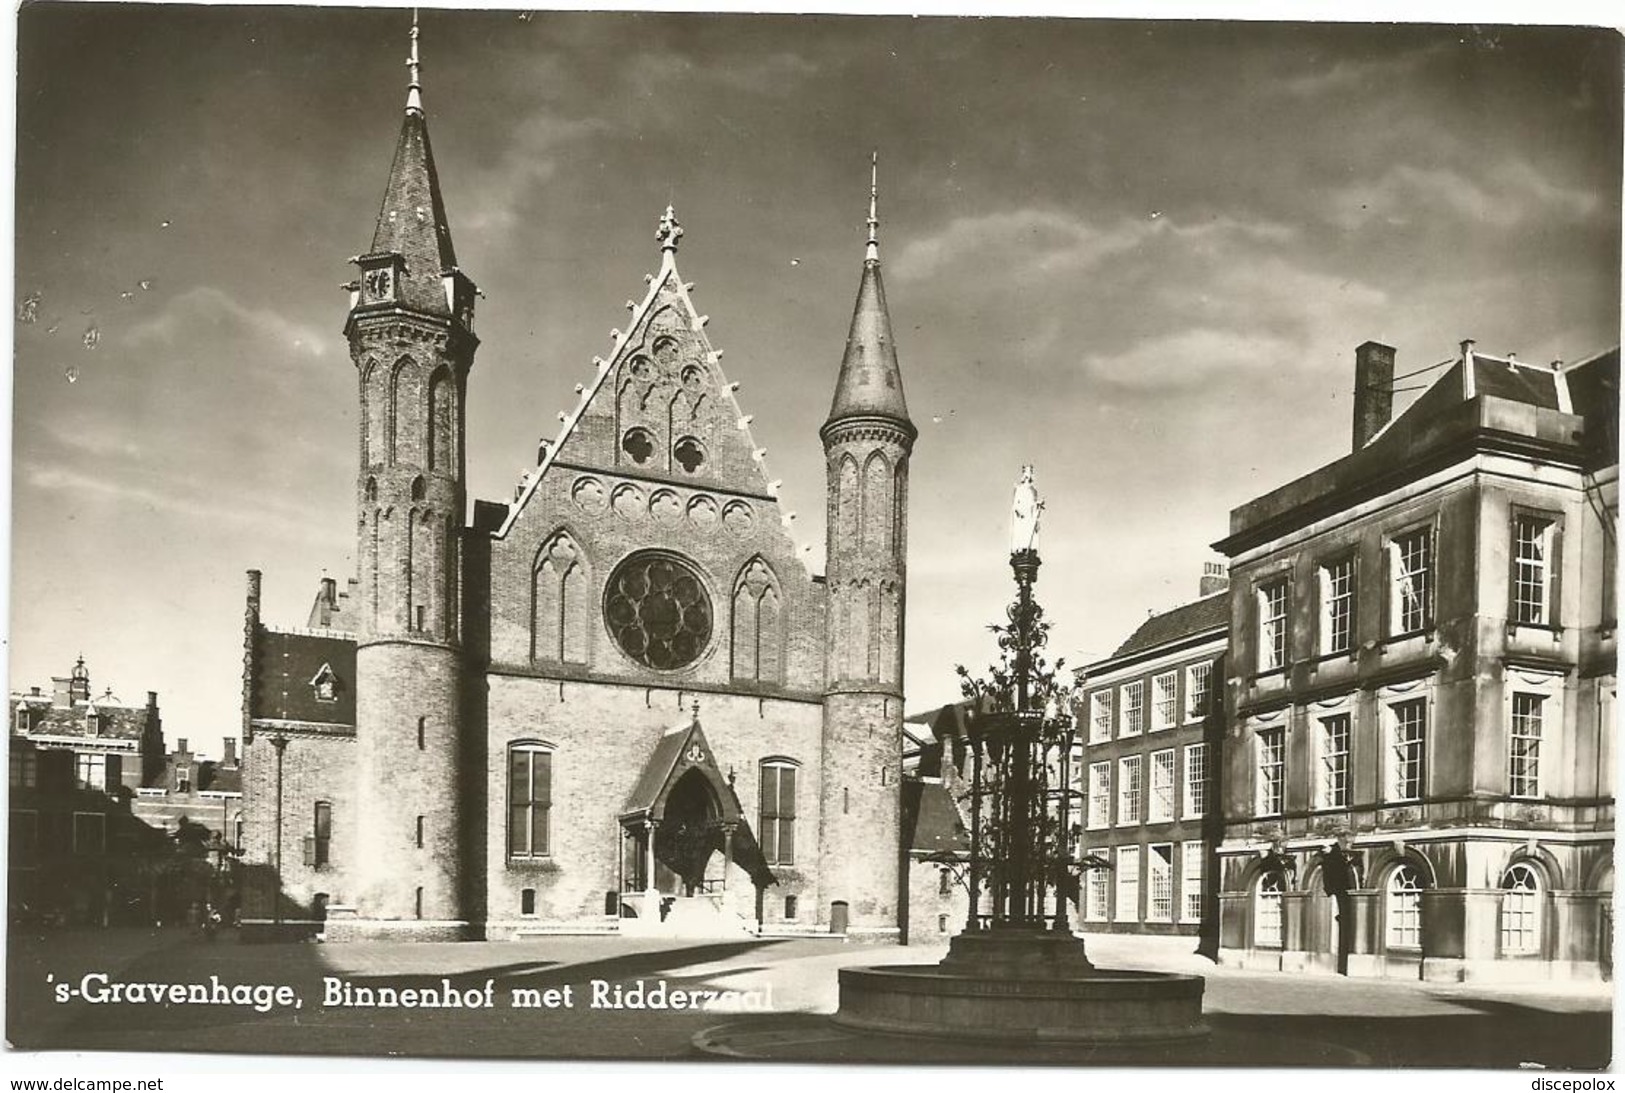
787	538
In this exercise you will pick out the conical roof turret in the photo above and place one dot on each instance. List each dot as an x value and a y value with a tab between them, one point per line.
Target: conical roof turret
412	219
870	384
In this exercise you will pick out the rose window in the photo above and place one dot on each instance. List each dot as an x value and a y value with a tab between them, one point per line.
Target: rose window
658	611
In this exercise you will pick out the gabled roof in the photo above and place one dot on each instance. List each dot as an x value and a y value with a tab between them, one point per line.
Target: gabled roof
681	748
1185	621
587	435
114	722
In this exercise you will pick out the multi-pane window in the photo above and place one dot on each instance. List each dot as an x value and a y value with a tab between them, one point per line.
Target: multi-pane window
1520	910
1532	538
24	768
319	843
1337	606
1100	794
90	772
1159	895
1096	880
1128	791
1332	748
1192	859
1128	884
1410	570
1404	918
530	801
1162	786
1133	709
1271	770
1198	690
1100	717
1267	912
1406	745
1164	701
778	813
1523	773
1195	780
1272	625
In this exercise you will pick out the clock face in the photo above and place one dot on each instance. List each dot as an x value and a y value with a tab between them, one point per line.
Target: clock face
380	284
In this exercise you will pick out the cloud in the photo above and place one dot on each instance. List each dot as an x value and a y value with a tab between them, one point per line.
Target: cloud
1050	242
1197	357
1499	196
205	312
1374	73
496	194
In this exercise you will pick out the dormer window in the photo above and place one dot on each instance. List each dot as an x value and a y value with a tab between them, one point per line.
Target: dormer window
326	684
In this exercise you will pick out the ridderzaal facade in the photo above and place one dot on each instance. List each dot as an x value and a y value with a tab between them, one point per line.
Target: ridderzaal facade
618	702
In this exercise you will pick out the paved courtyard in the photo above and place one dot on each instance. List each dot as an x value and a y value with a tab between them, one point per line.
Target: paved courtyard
1322	1020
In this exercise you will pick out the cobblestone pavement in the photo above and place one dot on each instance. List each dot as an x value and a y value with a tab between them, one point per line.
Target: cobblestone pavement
1389	1023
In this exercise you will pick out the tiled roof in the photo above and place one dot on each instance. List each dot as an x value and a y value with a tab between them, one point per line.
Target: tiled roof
118	722
285	664
931	820
1182	622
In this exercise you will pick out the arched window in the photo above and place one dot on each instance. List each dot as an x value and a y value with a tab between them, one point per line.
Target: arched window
757	634
1267	912
877	504
530	801
372	489
440	420
1520	910
418	488
560	609
776	813
1404	911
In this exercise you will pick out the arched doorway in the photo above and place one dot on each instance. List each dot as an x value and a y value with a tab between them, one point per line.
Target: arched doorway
690	834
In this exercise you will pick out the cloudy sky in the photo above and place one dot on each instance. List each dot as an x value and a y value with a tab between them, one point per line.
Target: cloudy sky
1137	254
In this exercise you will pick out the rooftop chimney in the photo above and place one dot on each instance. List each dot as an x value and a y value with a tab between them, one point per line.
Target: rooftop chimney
180	746
1214	579
1373	390
230	744
152	700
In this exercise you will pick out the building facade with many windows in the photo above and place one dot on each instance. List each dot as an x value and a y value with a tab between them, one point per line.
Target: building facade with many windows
1419	766
619	698
1149	720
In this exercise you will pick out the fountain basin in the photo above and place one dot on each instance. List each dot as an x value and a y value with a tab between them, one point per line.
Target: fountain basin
1096	1006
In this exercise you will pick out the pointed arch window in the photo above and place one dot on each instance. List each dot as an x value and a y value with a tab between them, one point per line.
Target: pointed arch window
560	602
877	504
400	408
441	418
758	633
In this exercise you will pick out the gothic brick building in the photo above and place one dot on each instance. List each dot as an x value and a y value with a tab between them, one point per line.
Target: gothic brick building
618	701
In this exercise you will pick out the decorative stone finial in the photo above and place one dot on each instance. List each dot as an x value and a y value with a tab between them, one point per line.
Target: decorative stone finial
1025	508
414	84
670	231
872	254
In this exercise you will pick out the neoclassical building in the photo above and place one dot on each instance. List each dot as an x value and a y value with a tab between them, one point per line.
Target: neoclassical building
618	700
1419	756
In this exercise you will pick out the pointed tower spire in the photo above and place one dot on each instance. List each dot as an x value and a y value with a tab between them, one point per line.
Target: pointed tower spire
873	253
412	219
414	83
871	384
